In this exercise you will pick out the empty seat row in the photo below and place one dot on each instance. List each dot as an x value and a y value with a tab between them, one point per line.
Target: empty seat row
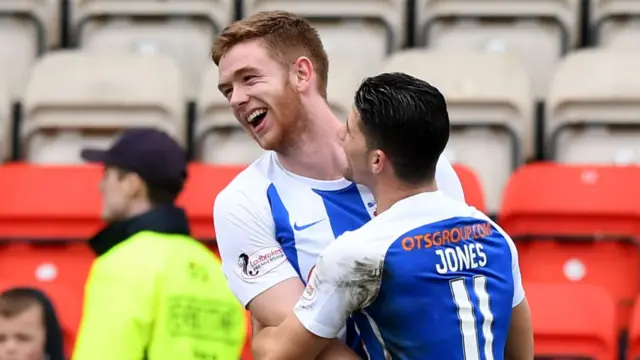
75	98
539	32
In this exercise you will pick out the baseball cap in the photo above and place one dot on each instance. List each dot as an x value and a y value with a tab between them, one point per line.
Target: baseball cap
152	154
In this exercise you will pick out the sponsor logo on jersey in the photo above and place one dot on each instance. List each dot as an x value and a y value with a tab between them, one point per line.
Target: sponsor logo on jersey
260	262
309	292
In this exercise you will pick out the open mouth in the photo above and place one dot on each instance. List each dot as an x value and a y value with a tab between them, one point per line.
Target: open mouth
257	117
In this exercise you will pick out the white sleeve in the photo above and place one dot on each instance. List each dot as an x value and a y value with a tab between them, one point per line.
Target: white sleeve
252	259
518	290
343	281
447	180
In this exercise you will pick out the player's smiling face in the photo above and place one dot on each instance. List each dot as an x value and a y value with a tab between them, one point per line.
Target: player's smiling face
260	93
355	147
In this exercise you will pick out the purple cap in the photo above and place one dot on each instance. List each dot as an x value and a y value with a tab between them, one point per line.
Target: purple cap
152	154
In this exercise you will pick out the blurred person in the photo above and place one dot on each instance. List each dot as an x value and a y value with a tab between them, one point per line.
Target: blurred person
273	220
429	278
153	292
29	326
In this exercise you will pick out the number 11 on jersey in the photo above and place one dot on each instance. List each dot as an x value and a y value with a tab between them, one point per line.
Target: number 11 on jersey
466	314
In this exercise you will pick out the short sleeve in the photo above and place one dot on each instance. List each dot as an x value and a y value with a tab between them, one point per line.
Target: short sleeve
252	259
518	289
447	180
342	282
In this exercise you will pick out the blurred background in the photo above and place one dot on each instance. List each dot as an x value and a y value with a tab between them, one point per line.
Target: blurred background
544	98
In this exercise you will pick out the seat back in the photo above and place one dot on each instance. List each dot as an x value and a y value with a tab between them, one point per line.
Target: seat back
490	108
28	28
181	29
54	202
615	23
202	186
577	224
66	302
351	29
74	99
219	138
572	321
594	119
539	32
471	185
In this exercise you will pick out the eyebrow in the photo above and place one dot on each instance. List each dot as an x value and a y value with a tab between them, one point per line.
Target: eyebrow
239	72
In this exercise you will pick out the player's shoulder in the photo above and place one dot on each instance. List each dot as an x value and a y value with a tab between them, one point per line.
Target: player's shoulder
248	188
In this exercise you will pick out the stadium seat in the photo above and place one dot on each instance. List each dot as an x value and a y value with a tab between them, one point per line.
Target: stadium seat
74	99
203	185
68	305
539	32
181	29
577	224
471	185
594	118
572	321
615	23
218	137
490	107
343	81
49	202
362	31
27	30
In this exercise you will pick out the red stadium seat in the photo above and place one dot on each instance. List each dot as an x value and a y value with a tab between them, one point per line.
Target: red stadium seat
203	185
56	202
473	193
67	302
52	263
577	224
572	320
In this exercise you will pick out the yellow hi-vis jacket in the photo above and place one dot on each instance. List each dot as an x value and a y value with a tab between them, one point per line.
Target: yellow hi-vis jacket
154	293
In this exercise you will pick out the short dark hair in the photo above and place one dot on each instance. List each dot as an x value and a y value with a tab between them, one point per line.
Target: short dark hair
157	196
14	302
406	118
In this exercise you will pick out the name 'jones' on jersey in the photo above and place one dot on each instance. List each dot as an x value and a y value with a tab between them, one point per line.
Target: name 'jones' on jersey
469	256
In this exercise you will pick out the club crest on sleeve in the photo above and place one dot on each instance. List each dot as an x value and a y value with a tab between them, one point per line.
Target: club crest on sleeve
309	293
261	262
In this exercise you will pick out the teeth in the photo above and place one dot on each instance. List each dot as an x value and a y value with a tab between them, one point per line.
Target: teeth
255	114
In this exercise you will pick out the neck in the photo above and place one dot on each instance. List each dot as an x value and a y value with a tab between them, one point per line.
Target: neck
316	152
387	193
138	207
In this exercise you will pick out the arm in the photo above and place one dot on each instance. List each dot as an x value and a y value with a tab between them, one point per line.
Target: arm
447	180
520	338
117	316
245	226
332	294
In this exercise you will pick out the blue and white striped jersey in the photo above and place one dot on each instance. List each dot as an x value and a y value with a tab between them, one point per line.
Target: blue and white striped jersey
271	225
430	279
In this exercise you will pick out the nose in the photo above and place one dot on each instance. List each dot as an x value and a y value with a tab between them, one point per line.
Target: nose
238	98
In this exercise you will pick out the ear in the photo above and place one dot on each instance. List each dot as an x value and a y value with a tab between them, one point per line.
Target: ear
378	161
303	72
133	184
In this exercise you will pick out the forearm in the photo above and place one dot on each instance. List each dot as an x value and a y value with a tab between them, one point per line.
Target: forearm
339	351
272	344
